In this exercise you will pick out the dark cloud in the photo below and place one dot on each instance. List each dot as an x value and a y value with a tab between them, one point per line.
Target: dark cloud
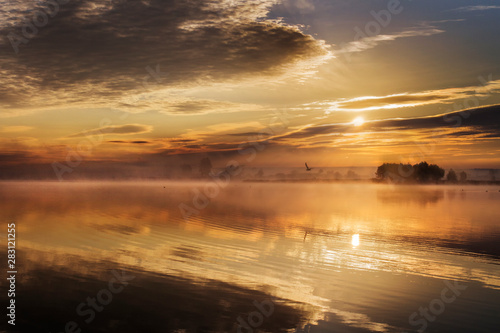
486	119
203	106
94	51
315	131
181	140
213	146
132	142
190	107
16	157
193	146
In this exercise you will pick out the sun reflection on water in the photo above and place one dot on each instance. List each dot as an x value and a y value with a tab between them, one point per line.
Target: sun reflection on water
355	240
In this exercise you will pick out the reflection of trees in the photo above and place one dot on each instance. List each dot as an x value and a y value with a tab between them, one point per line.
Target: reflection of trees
410	196
175	303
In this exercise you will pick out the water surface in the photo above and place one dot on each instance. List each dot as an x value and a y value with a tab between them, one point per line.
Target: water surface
255	257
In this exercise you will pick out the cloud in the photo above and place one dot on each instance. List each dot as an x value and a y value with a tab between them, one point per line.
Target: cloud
481	122
15	129
485	120
115	129
404	100
189	106
300	6
16	157
474	8
181	140
370	42
130	142
94	52
218	131
176	105
391	101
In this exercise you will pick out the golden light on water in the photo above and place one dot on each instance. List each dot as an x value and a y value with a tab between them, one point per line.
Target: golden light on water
355	240
358	121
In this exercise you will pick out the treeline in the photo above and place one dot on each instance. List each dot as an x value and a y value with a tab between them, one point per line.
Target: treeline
418	173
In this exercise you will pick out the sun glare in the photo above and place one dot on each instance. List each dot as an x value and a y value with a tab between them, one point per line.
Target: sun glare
355	240
358	121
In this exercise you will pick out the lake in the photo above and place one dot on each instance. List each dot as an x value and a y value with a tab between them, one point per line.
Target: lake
252	257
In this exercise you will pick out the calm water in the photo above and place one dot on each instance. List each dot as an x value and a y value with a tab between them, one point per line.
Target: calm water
120	257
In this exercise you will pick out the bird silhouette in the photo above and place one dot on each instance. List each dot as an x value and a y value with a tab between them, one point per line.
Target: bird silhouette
308	168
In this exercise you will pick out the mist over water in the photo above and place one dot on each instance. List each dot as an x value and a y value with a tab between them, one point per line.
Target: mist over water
325	257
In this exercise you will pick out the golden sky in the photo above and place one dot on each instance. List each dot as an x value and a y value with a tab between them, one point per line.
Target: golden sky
336	83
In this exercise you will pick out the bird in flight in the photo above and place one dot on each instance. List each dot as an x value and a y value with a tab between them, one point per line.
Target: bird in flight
308	168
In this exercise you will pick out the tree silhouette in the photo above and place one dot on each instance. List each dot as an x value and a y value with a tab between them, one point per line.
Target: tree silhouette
352	175
403	173
395	172
425	173
451	176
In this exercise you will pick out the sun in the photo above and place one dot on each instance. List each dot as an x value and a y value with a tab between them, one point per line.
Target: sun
358	121
355	240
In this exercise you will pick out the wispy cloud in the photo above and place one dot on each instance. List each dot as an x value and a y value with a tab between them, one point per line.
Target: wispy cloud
115	129
367	43
15	129
177	105
404	100
474	8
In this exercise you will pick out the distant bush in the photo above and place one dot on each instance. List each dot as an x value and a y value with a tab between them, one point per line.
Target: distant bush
407	173
452	176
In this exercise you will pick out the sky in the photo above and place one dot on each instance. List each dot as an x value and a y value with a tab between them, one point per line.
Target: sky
264	82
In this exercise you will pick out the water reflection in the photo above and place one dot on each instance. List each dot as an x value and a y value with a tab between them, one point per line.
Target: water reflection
292	243
355	240
149	303
411	194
